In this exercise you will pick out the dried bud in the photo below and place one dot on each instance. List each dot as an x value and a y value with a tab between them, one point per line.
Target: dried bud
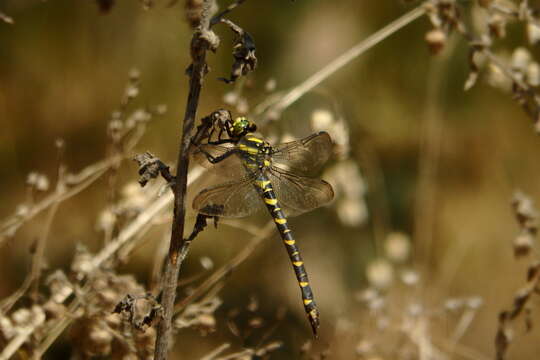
363	348
498	79
380	274
206	263
523	244
22	316
436	39
270	85
410	277
38	181
322	119
533	74
474	302
82	262
352	212
521	57
453	304
6	328
256	322
206	322
497	26
533	32
131	92
397	247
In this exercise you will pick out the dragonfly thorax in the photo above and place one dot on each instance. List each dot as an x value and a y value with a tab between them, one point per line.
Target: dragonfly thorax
255	152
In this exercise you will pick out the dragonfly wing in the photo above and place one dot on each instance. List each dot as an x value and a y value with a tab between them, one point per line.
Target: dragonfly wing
230	199
299	194
304	157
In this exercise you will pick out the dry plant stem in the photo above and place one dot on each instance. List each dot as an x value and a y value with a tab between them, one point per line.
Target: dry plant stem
428	162
379	202
216	19
75	183
54	332
297	92
178	247
459	349
32	280
127	236
83	179
37	259
214	353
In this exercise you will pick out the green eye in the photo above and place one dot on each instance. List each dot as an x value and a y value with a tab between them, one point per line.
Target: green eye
240	125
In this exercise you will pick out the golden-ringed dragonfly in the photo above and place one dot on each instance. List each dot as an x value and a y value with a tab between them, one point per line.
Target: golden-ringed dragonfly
255	175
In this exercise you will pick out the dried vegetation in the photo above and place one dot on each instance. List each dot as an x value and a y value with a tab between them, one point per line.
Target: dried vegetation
106	313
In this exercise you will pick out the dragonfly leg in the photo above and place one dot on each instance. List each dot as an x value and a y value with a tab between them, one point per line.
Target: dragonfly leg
216	159
222	141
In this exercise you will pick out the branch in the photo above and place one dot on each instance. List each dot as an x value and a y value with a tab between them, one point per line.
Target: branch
202	41
216	19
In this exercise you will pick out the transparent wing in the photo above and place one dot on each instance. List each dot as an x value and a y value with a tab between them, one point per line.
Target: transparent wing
230	199
230	167
299	194
303	157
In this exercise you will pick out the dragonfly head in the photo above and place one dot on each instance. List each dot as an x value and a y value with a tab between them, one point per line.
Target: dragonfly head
241	126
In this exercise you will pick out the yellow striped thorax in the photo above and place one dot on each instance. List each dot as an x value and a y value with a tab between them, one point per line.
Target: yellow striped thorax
255	152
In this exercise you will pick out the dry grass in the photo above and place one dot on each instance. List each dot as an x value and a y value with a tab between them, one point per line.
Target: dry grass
403	303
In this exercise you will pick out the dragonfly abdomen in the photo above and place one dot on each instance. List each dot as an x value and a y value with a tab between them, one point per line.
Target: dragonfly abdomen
272	203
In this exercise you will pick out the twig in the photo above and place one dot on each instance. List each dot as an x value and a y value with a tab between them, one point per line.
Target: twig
83	179
74	183
37	261
297	92
126	236
428	161
200	44
257	353
212	355
216	19
132	229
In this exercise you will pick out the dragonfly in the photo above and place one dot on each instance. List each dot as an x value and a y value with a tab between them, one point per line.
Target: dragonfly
253	175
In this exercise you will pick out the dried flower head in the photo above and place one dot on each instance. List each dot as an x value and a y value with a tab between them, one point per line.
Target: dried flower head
380	273
397	247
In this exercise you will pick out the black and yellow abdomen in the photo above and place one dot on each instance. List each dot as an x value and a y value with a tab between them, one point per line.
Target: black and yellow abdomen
272	203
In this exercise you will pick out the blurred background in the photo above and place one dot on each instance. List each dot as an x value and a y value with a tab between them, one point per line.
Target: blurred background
425	232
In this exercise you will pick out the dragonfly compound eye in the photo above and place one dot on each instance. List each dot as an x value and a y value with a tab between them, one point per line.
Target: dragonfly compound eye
242	125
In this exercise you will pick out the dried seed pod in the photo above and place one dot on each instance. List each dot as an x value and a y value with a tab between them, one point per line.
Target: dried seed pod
380	274
436	39
497	26
397	247
521	58
533	74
